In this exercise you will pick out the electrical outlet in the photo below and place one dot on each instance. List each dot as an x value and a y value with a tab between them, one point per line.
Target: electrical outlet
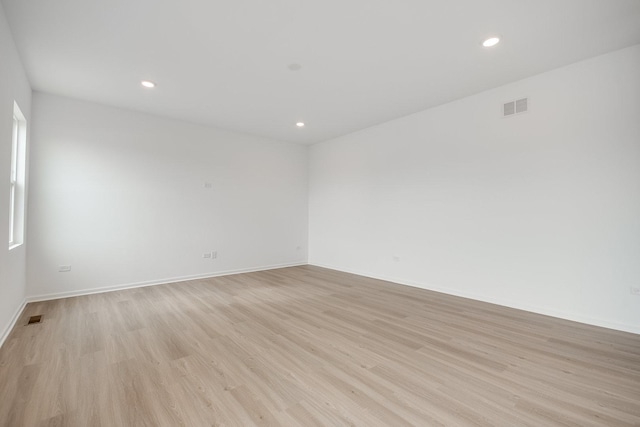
64	268
214	254
396	258
635	290
208	185
206	255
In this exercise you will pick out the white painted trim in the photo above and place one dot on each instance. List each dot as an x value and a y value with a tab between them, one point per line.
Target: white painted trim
12	323
69	294
634	329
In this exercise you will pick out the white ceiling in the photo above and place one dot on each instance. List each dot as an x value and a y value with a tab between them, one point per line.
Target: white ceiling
225	63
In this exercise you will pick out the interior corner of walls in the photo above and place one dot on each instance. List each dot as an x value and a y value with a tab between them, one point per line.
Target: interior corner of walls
12	322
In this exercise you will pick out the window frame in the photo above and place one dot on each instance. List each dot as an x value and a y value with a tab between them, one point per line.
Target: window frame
17	179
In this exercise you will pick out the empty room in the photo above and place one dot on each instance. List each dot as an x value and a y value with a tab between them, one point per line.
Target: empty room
320	213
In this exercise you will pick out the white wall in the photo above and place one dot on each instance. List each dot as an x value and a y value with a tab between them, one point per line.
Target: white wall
540	211
14	86
120	196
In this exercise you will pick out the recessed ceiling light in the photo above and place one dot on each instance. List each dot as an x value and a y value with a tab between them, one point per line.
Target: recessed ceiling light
491	42
300	124
148	84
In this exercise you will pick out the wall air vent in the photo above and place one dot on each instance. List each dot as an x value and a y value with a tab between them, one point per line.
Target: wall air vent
509	109
518	106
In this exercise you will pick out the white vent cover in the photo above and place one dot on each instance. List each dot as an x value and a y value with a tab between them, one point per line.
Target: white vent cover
518	106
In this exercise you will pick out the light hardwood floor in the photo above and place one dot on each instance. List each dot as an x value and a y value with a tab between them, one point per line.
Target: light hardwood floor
306	346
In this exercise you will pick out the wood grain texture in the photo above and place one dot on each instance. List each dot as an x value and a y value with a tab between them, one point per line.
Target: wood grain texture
307	346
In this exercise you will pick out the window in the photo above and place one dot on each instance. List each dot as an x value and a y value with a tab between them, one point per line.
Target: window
17	178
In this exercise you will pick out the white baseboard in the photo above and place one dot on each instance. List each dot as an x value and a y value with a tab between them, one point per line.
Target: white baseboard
635	329
69	294
7	330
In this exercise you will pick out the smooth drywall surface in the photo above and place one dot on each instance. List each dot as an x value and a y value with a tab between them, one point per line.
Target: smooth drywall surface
14	87
127	198
539	211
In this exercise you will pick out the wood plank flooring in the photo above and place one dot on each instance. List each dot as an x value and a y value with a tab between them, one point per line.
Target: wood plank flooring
306	346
